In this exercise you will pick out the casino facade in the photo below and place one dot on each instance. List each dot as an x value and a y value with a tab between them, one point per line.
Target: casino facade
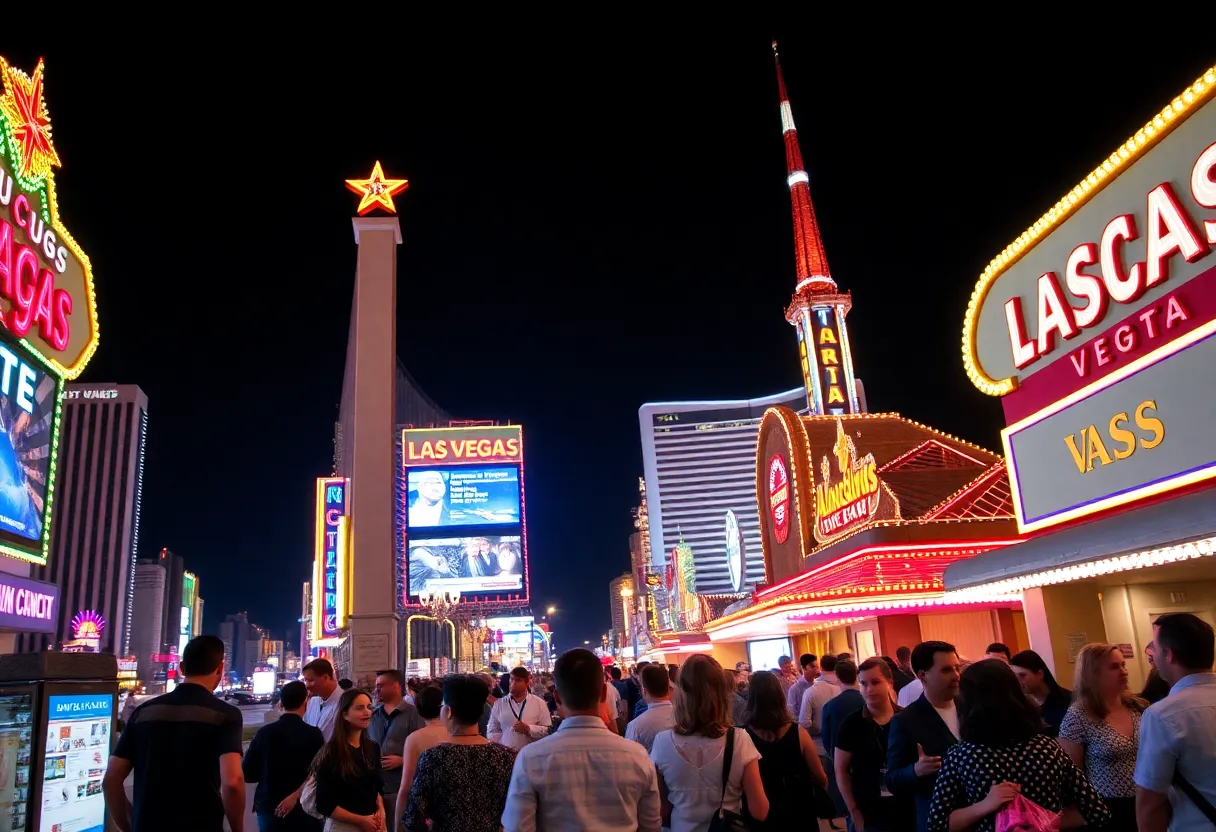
860	513
1096	328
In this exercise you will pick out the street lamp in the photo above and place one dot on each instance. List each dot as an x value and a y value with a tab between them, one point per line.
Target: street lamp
586	642
551	611
630	628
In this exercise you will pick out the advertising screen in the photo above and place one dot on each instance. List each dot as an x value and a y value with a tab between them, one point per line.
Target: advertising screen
485	565
764	653
263	682
467	495
27	410
77	753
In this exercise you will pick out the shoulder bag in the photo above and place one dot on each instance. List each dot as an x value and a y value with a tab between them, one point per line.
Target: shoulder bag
724	821
1195	796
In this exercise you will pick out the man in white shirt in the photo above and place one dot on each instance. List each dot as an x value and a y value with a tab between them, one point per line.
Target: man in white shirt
824	689
614	700
910	692
583	776
659	715
323	696
1178	734
520	717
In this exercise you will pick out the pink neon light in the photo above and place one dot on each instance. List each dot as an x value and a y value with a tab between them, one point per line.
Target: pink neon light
924	547
924	446
984	481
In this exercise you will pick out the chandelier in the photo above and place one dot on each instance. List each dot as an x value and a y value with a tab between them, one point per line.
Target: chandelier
441	605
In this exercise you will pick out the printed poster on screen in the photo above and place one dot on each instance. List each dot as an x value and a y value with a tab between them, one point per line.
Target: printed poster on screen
483	495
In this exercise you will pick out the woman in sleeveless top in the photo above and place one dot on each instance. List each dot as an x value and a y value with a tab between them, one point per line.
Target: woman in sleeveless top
788	759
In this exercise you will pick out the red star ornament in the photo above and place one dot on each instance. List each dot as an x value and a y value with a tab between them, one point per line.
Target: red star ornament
376	191
24	107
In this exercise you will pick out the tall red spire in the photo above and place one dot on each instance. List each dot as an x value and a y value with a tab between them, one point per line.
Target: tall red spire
811	259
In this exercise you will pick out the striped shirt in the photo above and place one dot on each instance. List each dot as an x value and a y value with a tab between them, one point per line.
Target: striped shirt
583	777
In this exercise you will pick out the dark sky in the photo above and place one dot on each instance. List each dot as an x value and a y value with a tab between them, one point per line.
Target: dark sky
593	221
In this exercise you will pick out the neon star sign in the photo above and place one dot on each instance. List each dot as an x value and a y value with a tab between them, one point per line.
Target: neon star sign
25	108
376	191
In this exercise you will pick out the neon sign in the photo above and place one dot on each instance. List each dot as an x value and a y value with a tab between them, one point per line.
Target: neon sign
376	192
48	310
46	281
779	497
328	607
1169	229
454	445
1123	249
88	625
847	497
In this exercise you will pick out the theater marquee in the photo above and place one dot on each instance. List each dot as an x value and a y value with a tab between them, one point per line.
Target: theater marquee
1094	325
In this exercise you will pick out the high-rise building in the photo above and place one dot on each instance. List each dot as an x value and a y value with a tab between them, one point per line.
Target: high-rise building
240	639
699	460
171	613
95	532
615	603
147	635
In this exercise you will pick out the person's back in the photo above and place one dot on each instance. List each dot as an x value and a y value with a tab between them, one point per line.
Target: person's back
786	778
181	746
278	760
582	776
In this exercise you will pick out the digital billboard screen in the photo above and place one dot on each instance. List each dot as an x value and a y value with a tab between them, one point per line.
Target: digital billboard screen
466	495
28	396
483	565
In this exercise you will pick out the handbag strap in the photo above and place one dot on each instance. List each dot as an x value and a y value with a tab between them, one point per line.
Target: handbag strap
1198	799
730	754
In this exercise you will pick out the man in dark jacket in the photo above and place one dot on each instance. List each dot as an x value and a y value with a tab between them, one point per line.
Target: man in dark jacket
922	733
278	761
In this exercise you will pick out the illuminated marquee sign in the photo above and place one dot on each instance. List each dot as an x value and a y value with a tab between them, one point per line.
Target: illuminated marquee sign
48	314
1075	324
458	445
330	568
27	604
848	493
46	281
1115	244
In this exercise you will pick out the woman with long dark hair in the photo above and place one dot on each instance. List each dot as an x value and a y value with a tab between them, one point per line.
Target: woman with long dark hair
348	770
1041	686
1003	754
789	764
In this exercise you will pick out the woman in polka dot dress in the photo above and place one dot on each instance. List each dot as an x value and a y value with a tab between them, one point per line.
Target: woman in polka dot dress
1001	755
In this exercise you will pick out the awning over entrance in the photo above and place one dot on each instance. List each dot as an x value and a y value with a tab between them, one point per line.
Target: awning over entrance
1151	533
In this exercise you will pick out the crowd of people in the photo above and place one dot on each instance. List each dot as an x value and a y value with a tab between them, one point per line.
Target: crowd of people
924	742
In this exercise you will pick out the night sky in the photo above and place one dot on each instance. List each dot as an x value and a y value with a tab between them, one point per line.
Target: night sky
590	225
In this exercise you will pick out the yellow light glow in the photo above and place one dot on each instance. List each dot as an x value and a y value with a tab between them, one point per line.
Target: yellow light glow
318	566
345	571
376	192
16	80
1144	139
